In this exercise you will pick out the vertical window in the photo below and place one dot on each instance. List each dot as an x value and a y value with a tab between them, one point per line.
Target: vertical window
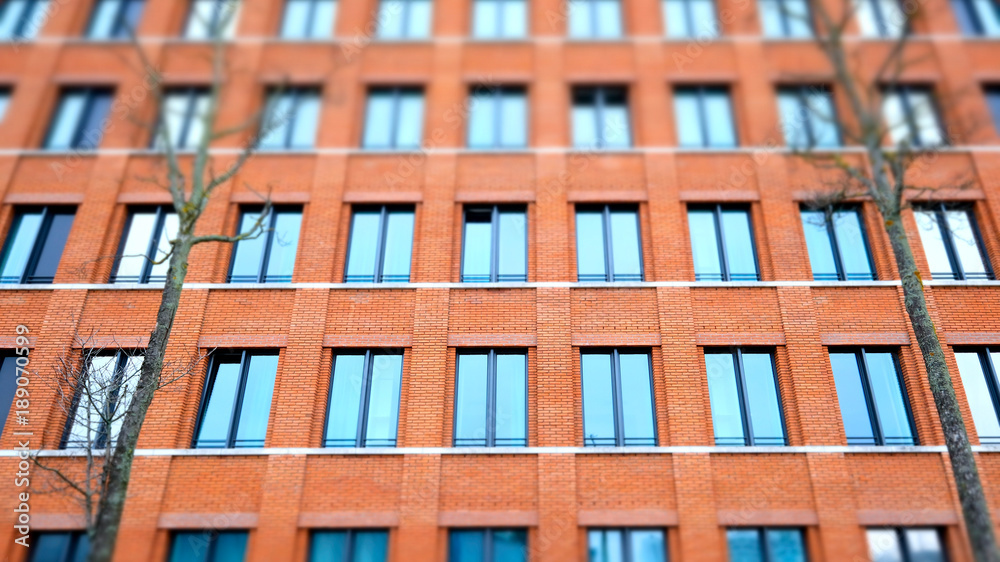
208	546
952	243
270	256
498	117
807	117
785	18
600	118
80	119
308	19
766	545
746	404
838	247
348	546
394	118
8	386
115	19
237	400
617	398
992	99
4	102
404	19
626	545
872	398
64	546
722	244
35	245
381	245
607	244
22	19
145	249
364	399
899	545
912	117
182	118
491	399
978	369
690	18
704	117
210	19
102	397
880	18
499	19
488	545
495	245
978	17
594	19
290	118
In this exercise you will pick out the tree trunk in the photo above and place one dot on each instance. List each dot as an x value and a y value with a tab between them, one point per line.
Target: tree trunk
119	467
975	510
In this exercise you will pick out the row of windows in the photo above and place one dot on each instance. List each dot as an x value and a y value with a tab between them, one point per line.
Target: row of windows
746	544
492	19
491	397
495	244
498	119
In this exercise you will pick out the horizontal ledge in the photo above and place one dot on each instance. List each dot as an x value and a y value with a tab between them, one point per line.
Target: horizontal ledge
488	518
907	517
627	518
227	520
767	517
739	338
615	339
348	519
234	340
865	338
367	340
492	340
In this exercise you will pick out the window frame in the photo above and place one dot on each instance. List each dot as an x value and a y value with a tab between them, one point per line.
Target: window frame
225	33
404	17
360	440
380	244
272	97
904	545
394	120
497	94
941	219
76	538
191	94
601	93
349	553
765	545
616	386
702	91
265	255
592	33
880	19
494	241
742	393
498	31
28	276
91	93
212	536
307	35
915	133
237	412
802	93
101	440
691	31
120	29
626	544
491	393
609	262
25	20
6	94
488	550
990	375
861	356
720	240
151	247
786	26
831	233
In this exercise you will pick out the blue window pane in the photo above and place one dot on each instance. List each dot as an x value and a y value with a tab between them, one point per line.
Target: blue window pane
590	258
992	98
851	396
608	19
466	546
762	399
924	545
20	242
418	25
133	256
296	19
853	247
486	19
279	117
637	400
744	545
94	121
605	546
102	23
411	120
398	246
4	102
511	399
51	547
515	19
884	546
217	415
249	253
966	244
598	400
703	18
52	248
616	130
723	395
345	400
584	126
793	116
821	258
580	22
361	257
391	19
158	271
687	112
306	120
509	546
647	546
705	245
739	245
513	117
512	246
328	546
785	545
69	114
470	400
477	251
889	400
823	118
379	120
8	386
625	245
324	19
229	547
256	407
383	400
675	18
719	119
370	546
482	119
977	393
284	245
932	240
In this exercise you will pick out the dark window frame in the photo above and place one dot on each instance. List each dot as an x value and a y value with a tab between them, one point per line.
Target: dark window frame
394	121
940	217
702	91
491	392
79	130
348	554
272	217
835	244
151	247
121	28
609	261
600	93
720	240
18	32
237	411
488	539
802	92
904	91
744	398
28	276
861	356
101	440
383	226
992	383
495	276
765	545
497	93
360	440
626	544
616	386
191	93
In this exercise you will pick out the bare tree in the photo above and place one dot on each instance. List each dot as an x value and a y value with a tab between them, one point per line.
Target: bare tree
891	158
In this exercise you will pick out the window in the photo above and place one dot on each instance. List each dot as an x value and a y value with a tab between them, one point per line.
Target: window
952	243
498	117
766	545
208	546
704	117
880	18
290	119
872	398
237	400
22	19
488	545
270	256
898	545
607	244
348	546
381	245
144	253
617	398
101	400
364	399
8	386
785	18
992	99
807	117
600	118
80	119
491	399
182	118
911	116
499	19
4	101
404	19
690	19
394	119
722	244
978	369
211	19
594	19
838	248
626	545
978	17
743	391
35	245
115	19
65	546
495	245
308	19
